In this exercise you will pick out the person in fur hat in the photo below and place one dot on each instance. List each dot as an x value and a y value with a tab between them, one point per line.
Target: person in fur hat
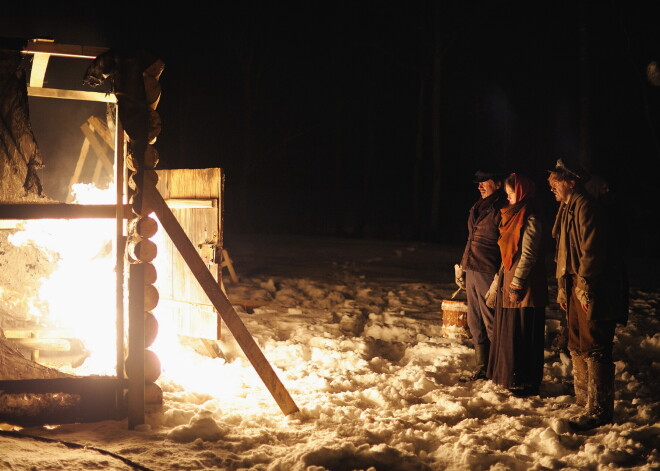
590	291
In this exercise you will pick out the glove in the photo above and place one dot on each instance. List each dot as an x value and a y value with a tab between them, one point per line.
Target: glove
491	295
459	275
515	294
491	298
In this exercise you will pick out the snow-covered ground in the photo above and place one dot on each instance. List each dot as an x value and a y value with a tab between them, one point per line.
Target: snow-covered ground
353	330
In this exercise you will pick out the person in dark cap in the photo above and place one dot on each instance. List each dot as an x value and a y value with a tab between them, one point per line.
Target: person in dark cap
481	260
587	291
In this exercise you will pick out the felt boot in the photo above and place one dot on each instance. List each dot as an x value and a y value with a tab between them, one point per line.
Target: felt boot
580	378
481	358
600	396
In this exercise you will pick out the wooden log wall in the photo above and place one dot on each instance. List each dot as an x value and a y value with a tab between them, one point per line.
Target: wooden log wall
143	367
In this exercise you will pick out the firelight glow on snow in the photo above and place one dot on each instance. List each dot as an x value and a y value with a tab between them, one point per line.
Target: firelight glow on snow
353	330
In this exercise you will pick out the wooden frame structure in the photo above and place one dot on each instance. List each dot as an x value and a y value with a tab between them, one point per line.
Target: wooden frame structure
120	211
90	129
113	400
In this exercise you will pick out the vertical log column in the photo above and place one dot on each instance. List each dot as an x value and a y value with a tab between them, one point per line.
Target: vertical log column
120	249
135	80
142	365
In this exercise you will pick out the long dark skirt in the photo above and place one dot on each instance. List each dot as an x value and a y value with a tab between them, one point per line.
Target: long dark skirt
516	353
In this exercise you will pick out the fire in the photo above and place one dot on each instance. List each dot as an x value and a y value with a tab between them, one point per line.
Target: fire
79	298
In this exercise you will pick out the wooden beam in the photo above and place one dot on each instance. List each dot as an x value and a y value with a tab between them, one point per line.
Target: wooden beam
120	245
184	203
23	211
219	300
98	148
38	71
82	157
63	50
81	95
52	345
212	348
71	385
43	333
97	171
102	129
228	262
136	358
99	398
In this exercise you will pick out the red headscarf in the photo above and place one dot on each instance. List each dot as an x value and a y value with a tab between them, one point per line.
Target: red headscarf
513	218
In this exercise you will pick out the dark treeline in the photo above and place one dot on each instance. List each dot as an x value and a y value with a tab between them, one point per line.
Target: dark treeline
368	119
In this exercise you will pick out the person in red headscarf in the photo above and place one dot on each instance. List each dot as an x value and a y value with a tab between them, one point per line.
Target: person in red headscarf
519	293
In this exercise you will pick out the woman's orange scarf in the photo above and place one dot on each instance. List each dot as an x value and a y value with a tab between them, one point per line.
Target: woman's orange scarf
513	218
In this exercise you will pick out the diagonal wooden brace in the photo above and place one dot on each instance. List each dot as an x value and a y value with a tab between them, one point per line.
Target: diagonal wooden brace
219	300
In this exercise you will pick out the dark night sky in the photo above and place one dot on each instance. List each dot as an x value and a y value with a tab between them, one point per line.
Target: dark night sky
314	108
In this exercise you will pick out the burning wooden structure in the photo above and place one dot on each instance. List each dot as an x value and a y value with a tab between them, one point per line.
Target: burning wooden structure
142	191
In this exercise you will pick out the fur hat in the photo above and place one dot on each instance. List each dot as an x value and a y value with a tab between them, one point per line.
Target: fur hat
574	170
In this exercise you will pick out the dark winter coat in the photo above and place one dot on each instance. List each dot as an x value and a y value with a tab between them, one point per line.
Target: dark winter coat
583	252
481	252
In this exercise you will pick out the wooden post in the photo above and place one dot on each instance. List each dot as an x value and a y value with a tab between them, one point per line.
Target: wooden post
227	262
219	300
136	354
97	172
97	147
102	129
135	361
34	354
78	170
120	246
23	211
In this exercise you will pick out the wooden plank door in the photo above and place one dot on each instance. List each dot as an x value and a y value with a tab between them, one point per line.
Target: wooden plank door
195	198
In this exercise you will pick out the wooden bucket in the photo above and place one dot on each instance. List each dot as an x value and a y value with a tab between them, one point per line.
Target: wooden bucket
454	319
